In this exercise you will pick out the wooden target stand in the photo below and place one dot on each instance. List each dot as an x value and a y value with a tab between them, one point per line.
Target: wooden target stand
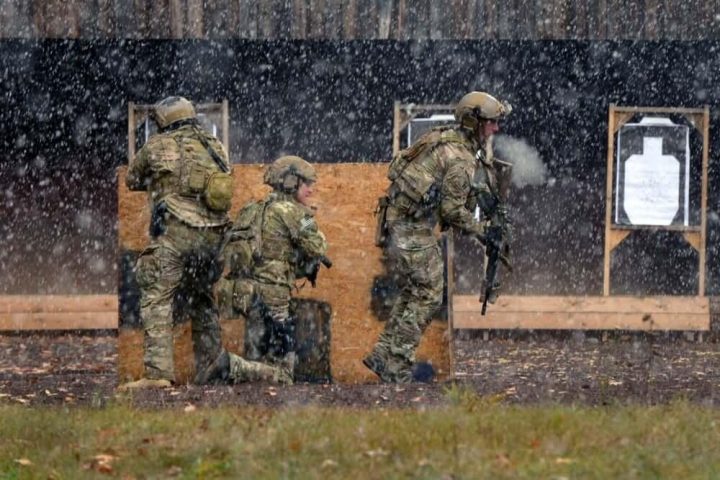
606	312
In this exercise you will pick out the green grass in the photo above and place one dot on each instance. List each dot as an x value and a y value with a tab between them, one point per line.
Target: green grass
473	438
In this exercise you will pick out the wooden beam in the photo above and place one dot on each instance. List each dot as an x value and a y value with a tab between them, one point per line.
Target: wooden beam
616	237
586	304
584	313
57	303
621	119
59	321
694	239
58	312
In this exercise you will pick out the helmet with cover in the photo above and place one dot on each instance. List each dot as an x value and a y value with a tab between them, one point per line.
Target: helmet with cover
477	106
287	172
172	110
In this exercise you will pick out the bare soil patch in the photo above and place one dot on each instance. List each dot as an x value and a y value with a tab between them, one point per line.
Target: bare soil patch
554	367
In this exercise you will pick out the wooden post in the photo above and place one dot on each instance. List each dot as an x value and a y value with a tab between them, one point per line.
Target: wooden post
396	128
131	132
226	126
703	199
450	252
608	200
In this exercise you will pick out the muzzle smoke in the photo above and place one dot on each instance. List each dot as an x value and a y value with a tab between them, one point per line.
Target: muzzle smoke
528	167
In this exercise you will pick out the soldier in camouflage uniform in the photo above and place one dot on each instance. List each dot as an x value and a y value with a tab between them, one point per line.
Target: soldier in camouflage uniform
187	175
273	242
439	179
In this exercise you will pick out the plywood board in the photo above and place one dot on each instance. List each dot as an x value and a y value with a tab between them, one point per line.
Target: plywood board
584	313
345	198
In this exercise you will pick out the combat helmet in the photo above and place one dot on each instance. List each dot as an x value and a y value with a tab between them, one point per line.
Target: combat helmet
286	172
477	106
171	110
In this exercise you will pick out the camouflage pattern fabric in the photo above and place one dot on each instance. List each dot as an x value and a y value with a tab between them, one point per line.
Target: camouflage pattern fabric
288	232
176	272
174	268
420	279
242	370
444	179
172	167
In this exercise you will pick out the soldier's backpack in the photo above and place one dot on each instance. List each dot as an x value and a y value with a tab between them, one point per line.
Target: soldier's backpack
417	180
245	243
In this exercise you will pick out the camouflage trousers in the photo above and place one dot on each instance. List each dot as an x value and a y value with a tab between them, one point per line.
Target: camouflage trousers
176	274
269	309
263	306
419	273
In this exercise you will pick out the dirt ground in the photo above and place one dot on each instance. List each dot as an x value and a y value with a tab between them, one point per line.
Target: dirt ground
518	368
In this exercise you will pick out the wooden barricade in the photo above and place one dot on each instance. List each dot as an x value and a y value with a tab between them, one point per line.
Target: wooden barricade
345	196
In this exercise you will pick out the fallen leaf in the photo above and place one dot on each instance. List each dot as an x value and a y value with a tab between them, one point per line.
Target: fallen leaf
327	463
174	471
503	460
101	463
376	453
564	461
23	461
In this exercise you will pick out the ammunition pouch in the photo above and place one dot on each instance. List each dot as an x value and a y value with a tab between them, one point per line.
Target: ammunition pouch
243	296
218	191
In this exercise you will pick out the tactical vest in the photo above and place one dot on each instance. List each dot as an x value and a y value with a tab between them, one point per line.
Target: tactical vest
198	174
417	174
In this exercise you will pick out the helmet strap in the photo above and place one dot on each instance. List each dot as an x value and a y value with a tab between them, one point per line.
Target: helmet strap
178	124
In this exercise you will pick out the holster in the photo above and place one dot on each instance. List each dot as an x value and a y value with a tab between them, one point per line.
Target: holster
381	230
157	220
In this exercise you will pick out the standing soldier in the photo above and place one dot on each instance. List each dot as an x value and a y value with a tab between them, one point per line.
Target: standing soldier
187	175
274	242
441	178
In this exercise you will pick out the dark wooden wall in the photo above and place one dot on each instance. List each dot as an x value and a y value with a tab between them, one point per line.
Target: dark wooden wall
362	19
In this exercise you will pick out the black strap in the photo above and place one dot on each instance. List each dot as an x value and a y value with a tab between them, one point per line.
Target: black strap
219	161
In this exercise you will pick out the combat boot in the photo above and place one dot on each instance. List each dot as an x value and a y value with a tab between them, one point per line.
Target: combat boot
144	383
282	376
376	364
217	372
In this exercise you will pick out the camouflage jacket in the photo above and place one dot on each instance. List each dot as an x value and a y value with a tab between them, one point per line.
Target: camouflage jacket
159	169
456	169
289	234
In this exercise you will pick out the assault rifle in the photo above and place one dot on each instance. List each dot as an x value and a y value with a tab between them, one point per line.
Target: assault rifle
497	236
310	268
